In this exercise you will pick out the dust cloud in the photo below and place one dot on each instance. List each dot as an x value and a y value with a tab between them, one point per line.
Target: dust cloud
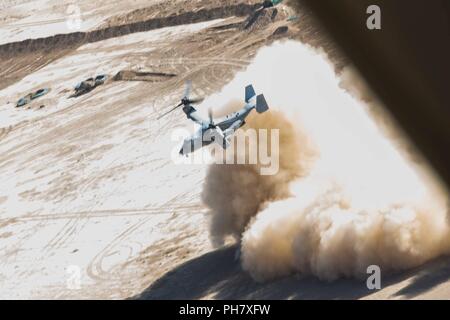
235	193
344	198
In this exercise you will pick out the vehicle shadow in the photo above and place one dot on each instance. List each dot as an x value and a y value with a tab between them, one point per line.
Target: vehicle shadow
425	278
80	93
218	275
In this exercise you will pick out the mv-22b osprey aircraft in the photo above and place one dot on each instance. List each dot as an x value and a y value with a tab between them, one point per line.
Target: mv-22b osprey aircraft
220	130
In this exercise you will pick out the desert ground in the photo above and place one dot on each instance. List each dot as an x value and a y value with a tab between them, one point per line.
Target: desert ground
92	205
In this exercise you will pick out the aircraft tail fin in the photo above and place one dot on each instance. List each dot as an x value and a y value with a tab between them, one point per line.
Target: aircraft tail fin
249	93
261	104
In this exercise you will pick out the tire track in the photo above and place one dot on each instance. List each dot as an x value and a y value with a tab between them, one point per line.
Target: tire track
95	270
4	132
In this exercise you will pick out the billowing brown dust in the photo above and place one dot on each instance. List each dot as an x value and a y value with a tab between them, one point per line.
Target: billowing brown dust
344	197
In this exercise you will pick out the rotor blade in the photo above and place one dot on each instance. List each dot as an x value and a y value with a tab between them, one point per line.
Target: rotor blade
187	91
179	105
197	100
210	115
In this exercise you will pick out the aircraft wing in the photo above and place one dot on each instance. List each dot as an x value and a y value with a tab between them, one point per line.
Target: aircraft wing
231	129
194	116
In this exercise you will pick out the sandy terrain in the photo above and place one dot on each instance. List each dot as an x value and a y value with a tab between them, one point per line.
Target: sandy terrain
42	18
91	204
112	165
